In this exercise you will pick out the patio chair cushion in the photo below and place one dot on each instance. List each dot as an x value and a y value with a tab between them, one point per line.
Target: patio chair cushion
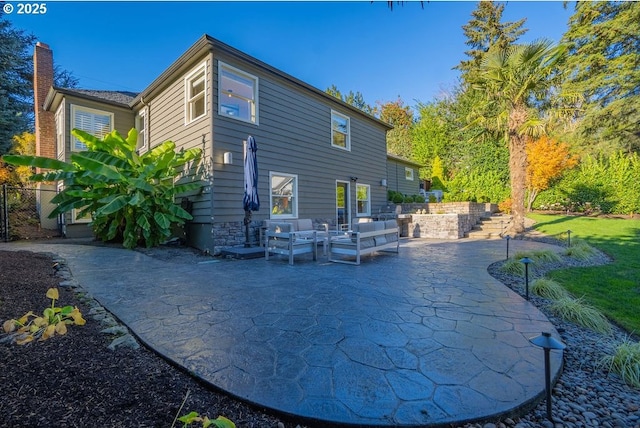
304	224
280	227
364	228
379	239
391	224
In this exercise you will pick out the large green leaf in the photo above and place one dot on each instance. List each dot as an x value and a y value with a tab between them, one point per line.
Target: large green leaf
99	163
161	220
112	204
38	161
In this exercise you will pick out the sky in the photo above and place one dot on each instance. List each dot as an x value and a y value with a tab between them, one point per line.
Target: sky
407	52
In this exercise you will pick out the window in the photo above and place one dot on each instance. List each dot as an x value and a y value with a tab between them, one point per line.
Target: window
141	127
363	200
60	131
238	94
196	94
340	130
408	173
284	195
96	122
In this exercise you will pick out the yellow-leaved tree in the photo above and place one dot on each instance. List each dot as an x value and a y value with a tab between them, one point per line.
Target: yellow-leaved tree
21	144
547	159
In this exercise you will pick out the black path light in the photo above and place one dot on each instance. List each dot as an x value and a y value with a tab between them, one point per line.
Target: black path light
568	238
526	261
508	238
547	343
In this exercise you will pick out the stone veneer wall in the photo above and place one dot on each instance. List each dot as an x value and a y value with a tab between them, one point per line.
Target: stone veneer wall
451	220
232	234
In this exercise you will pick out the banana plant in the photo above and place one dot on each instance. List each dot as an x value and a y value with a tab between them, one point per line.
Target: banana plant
128	196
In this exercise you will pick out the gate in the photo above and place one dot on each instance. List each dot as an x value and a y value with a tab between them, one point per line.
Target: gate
23	214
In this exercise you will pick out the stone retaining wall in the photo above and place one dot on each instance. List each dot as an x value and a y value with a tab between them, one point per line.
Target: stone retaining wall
450	220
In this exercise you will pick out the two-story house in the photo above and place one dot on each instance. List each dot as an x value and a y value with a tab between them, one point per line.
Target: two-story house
318	157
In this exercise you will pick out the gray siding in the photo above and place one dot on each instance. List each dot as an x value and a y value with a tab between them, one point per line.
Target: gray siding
166	121
396	179
123	118
294	137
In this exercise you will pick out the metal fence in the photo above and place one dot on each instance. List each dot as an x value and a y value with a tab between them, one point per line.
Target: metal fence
20	214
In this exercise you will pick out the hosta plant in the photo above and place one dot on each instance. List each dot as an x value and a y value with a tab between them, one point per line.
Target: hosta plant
130	197
54	320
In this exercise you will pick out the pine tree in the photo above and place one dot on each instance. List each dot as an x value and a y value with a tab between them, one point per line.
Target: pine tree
485	31
604	67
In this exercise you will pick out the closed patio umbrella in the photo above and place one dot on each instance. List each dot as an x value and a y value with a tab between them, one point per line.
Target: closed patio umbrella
250	201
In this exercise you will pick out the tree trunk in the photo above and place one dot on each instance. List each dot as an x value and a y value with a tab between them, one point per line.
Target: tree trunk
517	168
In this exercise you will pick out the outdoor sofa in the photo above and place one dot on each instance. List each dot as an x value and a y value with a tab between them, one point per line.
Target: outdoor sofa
365	238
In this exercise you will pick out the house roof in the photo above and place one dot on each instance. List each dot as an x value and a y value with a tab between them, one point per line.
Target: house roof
117	98
208	44
404	160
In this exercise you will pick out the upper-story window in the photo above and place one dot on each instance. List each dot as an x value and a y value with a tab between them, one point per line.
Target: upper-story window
96	122
408	173
340	131
196	93
238	94
141	127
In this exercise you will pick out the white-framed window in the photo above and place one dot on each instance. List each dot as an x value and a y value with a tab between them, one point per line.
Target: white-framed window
141	127
195	94
363	200
237	94
340	131
408	173
60	140
96	122
75	218
284	195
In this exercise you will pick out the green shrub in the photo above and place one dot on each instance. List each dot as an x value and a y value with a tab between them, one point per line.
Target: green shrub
578	312
513	266
548	289
129	197
545	256
625	362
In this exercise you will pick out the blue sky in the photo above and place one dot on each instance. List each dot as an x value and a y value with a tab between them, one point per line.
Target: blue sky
360	46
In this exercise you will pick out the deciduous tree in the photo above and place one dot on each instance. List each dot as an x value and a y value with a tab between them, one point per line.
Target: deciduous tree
401	118
547	160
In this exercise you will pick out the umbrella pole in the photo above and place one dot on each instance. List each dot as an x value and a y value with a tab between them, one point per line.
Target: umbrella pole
247	220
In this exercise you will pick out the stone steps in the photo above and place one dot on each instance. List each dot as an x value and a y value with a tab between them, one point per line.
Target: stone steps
489	227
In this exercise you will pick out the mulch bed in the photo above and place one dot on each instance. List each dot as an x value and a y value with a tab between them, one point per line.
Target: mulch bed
76	381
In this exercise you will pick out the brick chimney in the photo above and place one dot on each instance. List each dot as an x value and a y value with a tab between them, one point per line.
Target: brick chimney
45	120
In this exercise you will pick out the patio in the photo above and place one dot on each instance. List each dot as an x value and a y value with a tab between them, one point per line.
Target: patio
425	337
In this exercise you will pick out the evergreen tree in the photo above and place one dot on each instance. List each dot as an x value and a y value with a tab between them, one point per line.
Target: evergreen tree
354	99
16	82
16	70
604	67
485	31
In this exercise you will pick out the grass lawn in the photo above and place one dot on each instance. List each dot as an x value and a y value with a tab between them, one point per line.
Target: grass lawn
612	288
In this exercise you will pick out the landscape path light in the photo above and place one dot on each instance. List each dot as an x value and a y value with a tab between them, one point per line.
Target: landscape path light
508	238
568	238
547	343
526	261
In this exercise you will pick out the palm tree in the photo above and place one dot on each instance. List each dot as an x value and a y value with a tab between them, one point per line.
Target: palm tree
515	81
